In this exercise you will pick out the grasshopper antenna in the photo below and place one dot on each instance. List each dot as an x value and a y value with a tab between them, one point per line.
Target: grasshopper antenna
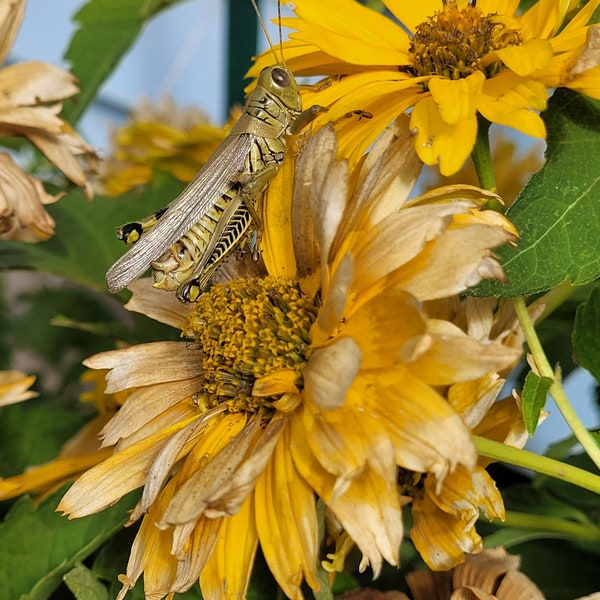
264	28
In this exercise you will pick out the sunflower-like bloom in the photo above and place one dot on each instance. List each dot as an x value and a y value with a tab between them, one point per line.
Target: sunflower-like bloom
31	95
447	61
321	378
162	136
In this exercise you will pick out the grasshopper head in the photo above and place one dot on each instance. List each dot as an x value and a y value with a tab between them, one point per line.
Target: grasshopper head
279	81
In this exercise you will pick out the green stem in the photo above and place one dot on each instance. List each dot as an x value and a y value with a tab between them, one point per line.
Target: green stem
535	462
555	298
482	160
582	531
556	390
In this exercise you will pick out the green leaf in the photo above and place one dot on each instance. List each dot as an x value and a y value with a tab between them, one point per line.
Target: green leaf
33	432
107	29
84	245
586	334
84	585
534	395
557	213
38	546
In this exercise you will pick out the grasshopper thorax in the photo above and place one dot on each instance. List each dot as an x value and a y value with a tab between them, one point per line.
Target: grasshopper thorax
278	81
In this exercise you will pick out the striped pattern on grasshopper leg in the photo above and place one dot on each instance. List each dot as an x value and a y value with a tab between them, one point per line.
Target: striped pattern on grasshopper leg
235	176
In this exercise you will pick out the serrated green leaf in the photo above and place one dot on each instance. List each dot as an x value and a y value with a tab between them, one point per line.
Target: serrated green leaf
557	212
107	29
38	545
586	334
534	395
85	245
84	585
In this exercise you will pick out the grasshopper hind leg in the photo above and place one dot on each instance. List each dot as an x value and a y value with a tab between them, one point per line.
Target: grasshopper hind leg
131	232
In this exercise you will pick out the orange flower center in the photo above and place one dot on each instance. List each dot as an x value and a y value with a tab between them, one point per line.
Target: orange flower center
457	42
247	329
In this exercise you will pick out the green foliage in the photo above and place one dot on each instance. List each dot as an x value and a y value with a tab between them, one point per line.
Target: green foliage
557	214
84	585
534	398
586	335
84	244
38	546
107	29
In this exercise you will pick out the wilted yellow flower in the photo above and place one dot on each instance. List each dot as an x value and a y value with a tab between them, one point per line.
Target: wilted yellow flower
162	136
78	454
447	61
31	96
319	378
14	387
22	200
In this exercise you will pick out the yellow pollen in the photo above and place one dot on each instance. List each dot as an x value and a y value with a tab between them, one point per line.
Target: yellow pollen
248	328
457	42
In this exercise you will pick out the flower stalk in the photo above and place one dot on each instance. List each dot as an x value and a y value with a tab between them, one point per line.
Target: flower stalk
583	531
535	462
556	389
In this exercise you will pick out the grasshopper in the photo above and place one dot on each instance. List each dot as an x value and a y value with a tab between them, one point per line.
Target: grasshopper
185	242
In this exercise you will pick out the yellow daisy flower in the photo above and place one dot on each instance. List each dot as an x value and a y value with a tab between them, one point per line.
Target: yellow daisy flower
447	61
159	136
321	377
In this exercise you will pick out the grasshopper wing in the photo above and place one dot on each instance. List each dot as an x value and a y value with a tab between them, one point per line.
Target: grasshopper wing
219	173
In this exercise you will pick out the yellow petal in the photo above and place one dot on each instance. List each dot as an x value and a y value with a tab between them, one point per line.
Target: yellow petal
277	242
527	58
106	483
456	99
286	521
284	381
454	356
438	141
510	100
370	512
411	14
358	35
13	387
227	571
426	432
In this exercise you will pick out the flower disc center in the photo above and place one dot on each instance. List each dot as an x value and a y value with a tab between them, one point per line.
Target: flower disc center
455	42
248	328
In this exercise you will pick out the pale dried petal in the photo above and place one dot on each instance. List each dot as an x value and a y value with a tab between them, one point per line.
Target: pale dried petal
330	372
194	496
147	364
146	403
589	58
311	170
22	199
11	15
33	83
157	304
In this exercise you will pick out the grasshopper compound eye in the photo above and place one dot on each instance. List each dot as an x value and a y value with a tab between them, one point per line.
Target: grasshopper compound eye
280	77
